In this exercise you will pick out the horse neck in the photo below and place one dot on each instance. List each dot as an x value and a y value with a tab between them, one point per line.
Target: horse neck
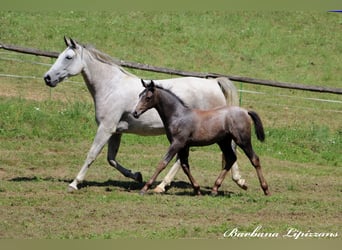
169	106
100	77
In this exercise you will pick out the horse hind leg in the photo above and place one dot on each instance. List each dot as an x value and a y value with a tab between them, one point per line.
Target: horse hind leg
254	159
236	176
256	163
168	178
113	148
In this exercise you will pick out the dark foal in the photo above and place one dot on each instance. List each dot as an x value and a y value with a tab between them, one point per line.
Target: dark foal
187	127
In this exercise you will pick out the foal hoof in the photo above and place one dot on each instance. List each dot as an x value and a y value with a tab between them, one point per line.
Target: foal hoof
142	192
267	193
197	192
138	177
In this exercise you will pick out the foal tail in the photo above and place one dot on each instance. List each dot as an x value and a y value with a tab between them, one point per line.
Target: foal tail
259	128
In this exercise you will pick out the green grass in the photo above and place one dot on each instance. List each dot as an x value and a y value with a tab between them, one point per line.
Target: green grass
49	120
45	133
285	46
56	121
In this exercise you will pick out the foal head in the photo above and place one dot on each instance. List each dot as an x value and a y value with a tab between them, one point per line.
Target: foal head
147	98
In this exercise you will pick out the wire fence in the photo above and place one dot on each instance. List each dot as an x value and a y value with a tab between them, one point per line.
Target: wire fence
266	97
140	66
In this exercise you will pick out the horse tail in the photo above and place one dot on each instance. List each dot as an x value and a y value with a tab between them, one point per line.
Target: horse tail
229	91
259	128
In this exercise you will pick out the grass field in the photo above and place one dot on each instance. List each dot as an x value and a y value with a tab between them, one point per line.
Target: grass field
45	133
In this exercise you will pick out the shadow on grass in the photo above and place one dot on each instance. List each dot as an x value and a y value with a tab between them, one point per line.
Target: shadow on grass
179	188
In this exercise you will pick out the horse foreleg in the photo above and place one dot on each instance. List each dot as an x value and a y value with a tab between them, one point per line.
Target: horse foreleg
101	138
168	178
113	148
230	159
195	185
183	156
160	167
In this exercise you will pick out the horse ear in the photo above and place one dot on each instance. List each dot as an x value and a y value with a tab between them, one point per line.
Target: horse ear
148	84
73	43
151	85
67	41
143	83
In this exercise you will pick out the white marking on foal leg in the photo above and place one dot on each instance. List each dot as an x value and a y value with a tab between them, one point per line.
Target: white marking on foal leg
168	178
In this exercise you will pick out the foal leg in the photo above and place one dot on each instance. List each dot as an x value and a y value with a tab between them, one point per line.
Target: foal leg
113	148
236	176
172	151
230	158
248	149
184	156
101	138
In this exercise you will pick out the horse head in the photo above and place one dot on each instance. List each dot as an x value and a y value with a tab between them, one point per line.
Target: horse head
69	63
146	100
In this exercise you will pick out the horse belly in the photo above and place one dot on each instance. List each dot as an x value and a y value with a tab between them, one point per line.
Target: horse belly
197	93
148	124
210	128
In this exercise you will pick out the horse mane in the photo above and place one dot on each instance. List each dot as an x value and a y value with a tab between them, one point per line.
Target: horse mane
173	94
104	58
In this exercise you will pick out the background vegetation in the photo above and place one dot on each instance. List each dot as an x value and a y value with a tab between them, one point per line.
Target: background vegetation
45	133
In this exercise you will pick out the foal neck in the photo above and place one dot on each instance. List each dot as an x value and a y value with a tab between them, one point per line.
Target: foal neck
169	105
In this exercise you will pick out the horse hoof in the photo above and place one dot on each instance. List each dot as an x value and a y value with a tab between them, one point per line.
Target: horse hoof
72	188
159	190
138	177
242	184
197	192
142	192
214	194
267	193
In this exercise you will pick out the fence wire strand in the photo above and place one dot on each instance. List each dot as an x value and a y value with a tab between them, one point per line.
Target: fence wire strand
273	99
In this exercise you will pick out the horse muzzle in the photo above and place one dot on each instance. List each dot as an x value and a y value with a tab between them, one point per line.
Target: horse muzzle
135	114
49	82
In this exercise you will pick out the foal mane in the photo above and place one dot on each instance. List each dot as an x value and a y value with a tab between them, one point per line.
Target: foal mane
173	94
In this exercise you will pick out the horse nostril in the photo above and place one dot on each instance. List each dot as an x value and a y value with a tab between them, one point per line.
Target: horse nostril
135	114
47	79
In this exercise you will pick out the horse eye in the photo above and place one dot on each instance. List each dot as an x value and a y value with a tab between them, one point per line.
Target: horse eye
68	57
